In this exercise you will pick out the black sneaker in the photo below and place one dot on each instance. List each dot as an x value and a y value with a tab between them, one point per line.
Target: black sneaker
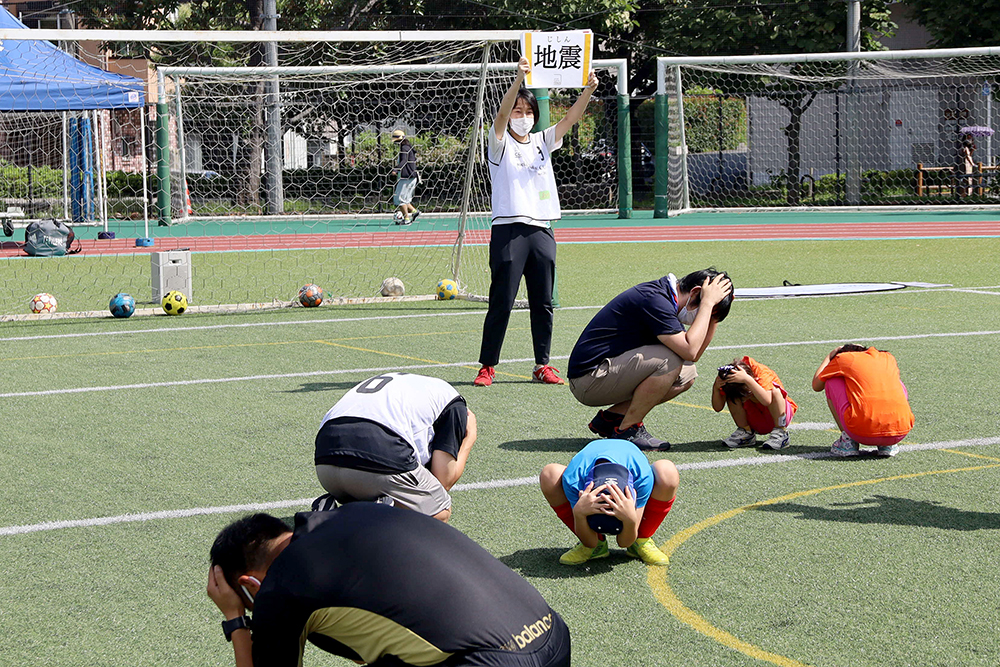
416	214
604	423
641	438
324	503
8	227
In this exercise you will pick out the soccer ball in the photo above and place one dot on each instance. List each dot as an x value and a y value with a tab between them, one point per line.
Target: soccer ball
43	303
311	295
174	303
121	305
397	217
392	287
447	289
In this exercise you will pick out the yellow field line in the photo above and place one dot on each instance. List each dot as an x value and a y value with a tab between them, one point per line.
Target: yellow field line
238	345
660	585
974	456
403	356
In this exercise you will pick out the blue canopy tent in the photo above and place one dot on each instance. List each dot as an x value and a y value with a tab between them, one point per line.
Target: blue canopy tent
36	76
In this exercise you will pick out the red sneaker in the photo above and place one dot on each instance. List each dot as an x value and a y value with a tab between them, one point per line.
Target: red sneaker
485	377
547	375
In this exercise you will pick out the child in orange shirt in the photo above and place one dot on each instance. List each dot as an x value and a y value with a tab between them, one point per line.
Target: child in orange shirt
757	402
867	399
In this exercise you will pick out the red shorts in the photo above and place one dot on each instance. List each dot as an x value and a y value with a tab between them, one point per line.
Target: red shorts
760	418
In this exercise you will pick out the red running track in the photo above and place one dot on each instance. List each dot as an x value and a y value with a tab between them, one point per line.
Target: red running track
666	233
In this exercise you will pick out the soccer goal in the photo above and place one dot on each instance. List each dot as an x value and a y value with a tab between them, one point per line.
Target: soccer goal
909	129
272	160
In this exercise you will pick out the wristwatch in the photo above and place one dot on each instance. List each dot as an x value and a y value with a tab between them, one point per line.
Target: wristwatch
232	625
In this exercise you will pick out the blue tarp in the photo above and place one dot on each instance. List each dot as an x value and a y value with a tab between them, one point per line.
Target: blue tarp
37	76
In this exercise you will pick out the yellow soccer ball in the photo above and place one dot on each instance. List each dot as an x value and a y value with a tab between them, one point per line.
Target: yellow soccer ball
447	289
174	303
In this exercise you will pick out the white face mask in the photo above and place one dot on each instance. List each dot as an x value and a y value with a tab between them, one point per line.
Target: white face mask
522	126
687	316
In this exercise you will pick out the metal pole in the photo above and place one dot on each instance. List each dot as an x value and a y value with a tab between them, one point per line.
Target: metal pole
470	164
145	179
682	149
852	104
273	150
182	152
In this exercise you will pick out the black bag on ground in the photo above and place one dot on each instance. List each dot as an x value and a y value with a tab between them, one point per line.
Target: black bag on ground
49	238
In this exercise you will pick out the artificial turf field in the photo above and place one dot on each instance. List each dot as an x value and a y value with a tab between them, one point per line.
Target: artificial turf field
148	435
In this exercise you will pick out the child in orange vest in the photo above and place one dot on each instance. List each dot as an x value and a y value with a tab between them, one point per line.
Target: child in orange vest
757	402
867	399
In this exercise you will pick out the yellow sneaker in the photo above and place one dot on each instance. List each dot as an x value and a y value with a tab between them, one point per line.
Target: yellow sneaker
580	554
645	550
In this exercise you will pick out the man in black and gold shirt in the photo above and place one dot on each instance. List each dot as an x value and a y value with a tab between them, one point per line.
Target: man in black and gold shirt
377	585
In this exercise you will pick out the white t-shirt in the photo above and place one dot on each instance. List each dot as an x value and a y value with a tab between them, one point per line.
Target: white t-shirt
406	404
524	185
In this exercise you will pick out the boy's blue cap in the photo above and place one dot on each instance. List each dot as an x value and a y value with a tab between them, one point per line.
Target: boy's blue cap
606	472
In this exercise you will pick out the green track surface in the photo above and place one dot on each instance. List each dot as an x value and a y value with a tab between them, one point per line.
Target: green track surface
897	572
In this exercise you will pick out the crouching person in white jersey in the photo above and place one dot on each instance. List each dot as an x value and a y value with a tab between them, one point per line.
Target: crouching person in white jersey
524	203
395	436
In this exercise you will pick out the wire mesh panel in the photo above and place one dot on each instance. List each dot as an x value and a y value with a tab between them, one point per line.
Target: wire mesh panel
877	129
275	176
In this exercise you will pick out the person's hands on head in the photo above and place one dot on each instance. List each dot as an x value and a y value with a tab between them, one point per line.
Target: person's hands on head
737	376
592	501
621	504
222	594
716	289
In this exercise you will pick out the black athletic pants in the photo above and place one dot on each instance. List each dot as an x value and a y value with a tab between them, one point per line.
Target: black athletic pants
520	250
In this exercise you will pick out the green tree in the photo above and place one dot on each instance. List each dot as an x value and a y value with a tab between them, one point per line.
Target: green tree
721	27
955	25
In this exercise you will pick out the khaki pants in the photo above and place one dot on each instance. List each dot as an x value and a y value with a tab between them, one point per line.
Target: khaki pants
614	380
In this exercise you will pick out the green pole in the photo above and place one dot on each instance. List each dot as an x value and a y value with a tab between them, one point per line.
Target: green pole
542	123
624	158
163	165
661	158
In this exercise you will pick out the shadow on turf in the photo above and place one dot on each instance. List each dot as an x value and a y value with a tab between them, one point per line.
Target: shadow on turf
547	445
879	509
322	386
545	563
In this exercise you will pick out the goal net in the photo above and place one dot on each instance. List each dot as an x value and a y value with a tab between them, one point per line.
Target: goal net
905	128
279	175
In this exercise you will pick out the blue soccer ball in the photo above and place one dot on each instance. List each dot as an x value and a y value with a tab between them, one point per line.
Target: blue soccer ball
122	305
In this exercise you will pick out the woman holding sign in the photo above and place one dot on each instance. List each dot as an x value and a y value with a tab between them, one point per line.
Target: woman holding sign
524	205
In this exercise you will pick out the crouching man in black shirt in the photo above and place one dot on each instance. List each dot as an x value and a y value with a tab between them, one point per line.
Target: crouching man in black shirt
376	585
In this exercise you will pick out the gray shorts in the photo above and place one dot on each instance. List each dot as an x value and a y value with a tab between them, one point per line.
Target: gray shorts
405	188
416	489
614	380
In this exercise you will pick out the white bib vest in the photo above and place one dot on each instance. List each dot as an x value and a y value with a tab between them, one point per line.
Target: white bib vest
408	405
524	185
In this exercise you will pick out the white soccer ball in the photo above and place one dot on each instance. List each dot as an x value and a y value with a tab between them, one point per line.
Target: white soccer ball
392	287
397	217
43	303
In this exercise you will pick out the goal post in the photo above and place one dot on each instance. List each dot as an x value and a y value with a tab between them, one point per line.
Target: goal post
827	130
260	224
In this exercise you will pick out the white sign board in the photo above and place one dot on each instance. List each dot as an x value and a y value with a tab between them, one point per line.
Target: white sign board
558	59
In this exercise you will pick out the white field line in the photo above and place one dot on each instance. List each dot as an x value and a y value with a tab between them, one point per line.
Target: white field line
334	320
384	369
496	484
